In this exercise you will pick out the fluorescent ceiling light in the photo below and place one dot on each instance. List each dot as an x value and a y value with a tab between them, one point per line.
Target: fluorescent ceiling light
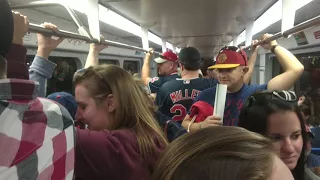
154	38
112	18
242	37
271	16
169	46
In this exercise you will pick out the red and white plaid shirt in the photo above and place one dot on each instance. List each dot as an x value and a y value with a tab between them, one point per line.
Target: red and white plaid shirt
36	135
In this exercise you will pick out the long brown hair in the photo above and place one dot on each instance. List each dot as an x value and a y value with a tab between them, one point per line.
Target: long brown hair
131	111
231	153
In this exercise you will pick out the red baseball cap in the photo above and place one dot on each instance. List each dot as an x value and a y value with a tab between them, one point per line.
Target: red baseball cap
166	56
230	57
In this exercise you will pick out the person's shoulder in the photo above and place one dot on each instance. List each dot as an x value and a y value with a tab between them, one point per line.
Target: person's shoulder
56	114
114	139
257	88
207	93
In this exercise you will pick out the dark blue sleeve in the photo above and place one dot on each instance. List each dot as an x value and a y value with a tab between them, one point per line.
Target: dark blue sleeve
155	83
160	98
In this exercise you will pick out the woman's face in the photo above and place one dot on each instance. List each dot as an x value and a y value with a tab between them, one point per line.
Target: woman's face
95	116
285	129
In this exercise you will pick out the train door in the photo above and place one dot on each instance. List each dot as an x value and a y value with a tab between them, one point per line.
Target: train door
62	76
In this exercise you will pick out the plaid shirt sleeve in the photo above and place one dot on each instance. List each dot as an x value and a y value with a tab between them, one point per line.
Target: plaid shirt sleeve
36	140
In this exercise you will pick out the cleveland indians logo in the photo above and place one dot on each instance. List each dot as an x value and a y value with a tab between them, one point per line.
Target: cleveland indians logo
222	58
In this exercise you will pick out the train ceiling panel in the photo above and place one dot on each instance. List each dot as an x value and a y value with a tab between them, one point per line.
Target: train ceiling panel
200	23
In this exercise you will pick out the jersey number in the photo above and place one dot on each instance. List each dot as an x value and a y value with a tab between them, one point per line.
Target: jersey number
181	114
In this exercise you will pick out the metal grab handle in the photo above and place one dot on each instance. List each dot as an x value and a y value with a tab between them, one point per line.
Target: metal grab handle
36	4
61	33
298	28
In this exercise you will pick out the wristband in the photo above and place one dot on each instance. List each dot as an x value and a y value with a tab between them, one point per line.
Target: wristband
273	48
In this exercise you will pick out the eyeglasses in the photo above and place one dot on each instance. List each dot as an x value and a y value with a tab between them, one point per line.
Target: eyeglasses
265	97
237	50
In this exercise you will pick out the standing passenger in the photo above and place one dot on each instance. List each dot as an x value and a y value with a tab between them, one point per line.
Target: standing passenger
232	67
125	141
36	135
221	153
277	116
167	70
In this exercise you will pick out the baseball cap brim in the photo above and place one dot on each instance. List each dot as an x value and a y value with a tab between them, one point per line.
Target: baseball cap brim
224	66
159	60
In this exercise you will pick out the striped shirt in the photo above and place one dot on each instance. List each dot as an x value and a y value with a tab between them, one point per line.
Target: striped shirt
36	135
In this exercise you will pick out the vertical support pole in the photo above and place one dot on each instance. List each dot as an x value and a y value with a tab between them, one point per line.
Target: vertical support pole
164	45
145	39
93	18
262	69
235	40
249	33
288	14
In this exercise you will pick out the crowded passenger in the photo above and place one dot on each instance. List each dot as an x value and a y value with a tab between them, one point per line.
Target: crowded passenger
229	153
175	97
37	135
277	116
205	64
232	66
125	139
167	66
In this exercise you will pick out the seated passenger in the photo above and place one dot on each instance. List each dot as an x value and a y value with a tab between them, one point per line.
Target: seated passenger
232	66
221	153
36	135
277	116
125	141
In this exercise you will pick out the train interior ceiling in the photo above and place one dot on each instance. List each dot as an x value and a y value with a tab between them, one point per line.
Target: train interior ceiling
207	25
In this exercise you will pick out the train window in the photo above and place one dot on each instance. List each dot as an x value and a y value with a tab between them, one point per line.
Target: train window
311	74
131	66
62	76
109	61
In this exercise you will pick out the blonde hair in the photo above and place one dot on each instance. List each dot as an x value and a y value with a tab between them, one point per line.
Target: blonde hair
231	153
131	111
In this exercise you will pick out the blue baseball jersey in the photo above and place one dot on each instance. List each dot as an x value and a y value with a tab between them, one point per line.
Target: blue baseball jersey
234	101
175	97
156	82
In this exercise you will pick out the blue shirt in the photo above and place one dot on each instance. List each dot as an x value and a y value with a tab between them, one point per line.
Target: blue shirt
155	83
234	101
175	97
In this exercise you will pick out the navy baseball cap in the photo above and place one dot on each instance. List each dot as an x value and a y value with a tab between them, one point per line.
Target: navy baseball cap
6	26
66	100
190	56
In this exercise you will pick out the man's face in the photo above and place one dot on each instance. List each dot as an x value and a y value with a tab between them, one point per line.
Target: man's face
231	76
165	68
